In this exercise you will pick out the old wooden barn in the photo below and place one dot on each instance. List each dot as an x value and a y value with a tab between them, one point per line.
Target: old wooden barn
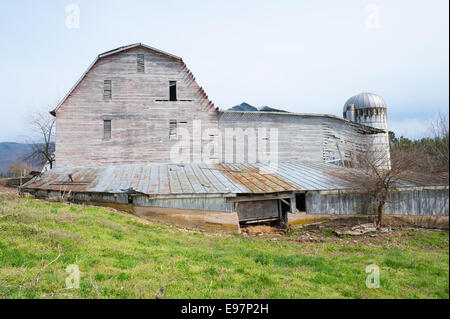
137	132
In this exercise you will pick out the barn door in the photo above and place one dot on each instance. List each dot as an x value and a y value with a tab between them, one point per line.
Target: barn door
258	210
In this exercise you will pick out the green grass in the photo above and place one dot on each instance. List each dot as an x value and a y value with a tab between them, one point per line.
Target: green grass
120	256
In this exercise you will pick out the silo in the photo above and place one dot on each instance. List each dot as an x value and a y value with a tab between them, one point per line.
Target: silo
371	110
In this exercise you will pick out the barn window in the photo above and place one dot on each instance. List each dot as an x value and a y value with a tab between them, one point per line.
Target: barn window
173	129
106	129
107	89
140	63
172	90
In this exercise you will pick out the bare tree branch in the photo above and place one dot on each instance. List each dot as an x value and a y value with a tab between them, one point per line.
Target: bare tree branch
374	177
439	145
42	150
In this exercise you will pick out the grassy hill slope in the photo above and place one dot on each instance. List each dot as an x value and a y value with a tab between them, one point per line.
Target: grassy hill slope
122	256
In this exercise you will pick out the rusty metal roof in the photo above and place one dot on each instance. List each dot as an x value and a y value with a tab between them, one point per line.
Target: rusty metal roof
165	179
181	179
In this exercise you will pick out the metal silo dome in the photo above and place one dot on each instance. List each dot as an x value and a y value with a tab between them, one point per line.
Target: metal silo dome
365	101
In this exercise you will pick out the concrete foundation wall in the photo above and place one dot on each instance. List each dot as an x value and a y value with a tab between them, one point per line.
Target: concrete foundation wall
194	219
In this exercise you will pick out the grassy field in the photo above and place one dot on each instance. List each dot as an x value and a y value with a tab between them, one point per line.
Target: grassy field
122	256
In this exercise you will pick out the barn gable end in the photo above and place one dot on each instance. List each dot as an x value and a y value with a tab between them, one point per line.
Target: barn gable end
139	108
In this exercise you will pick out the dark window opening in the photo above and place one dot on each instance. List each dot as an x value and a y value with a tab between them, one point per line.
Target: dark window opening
172	90
107	129
130	200
107	89
173	125
300	202
140	63
285	208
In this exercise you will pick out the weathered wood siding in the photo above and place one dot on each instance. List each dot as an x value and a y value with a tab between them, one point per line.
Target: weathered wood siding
139	111
411	201
300	138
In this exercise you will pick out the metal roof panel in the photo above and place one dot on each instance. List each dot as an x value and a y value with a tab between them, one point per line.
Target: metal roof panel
165	179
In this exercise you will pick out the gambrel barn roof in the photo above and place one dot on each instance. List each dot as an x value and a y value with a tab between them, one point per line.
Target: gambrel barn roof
231	112
108	53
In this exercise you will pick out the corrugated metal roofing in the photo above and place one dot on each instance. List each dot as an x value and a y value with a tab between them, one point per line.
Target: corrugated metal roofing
176	179
165	179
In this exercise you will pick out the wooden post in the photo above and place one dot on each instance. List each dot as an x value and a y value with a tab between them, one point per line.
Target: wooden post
293	205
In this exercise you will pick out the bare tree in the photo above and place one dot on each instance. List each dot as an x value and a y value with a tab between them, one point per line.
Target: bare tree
433	150
43	148
439	145
374	177
19	168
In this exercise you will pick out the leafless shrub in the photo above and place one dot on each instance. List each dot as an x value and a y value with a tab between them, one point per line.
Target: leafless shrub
373	176
440	142
42	149
19	168
433	151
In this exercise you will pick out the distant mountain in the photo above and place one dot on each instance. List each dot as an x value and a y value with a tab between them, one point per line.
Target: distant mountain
10	152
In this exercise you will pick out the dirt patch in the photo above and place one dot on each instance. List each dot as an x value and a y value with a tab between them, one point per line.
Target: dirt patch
339	231
387	237
11	191
260	230
361	229
338	234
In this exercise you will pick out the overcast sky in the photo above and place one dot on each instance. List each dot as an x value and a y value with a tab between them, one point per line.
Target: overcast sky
302	56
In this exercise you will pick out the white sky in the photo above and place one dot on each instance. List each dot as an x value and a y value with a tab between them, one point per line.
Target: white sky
302	56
